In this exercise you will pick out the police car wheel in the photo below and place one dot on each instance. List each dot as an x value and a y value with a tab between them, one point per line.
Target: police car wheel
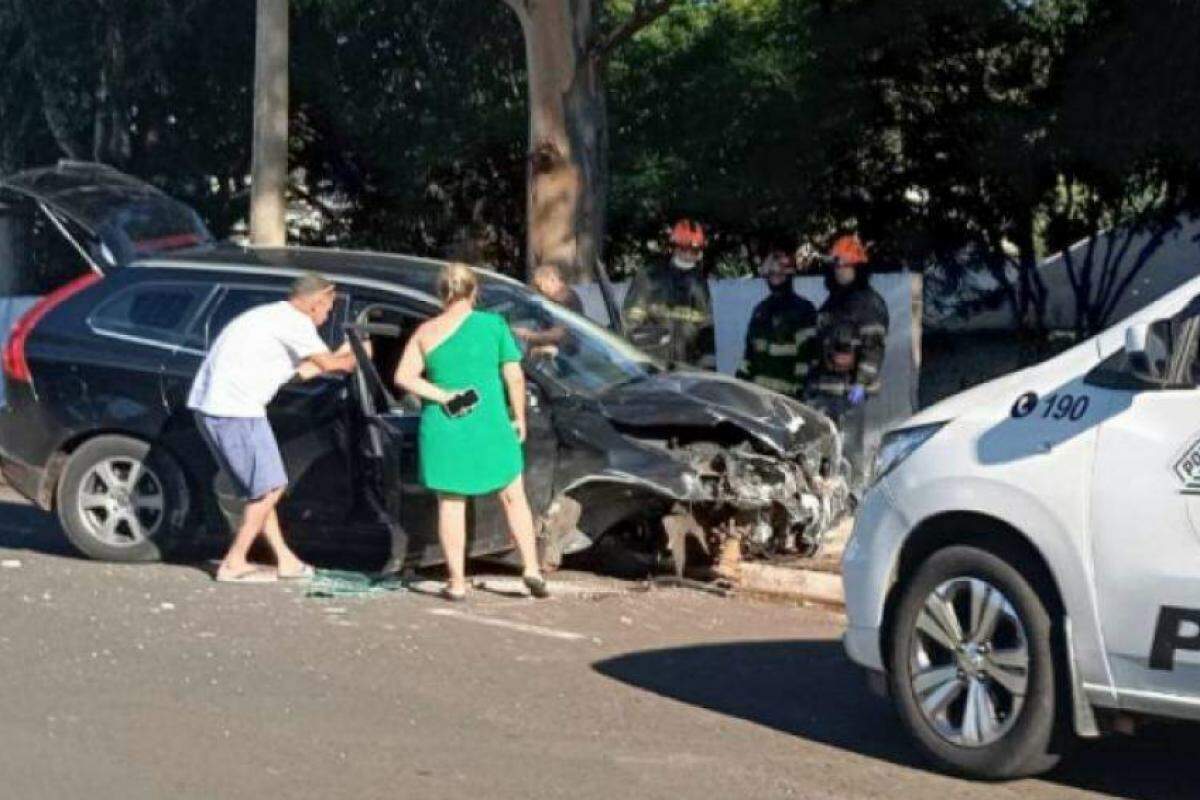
119	499
972	670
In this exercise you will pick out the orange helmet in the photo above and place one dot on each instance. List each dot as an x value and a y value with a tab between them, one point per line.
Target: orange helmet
687	233
848	251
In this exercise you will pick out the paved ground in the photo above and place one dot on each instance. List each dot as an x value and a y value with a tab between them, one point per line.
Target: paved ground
150	681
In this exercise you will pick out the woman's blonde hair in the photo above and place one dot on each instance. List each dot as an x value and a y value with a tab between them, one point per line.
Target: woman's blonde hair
457	282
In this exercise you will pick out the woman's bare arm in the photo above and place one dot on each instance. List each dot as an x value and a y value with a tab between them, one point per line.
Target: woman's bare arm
409	371
514	383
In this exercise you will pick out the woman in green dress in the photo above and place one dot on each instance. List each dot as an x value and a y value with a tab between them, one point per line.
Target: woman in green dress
477	452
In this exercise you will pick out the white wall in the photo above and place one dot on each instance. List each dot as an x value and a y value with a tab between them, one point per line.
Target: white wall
1176	260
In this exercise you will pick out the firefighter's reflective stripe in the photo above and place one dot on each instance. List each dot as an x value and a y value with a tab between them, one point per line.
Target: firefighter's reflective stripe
662	312
873	329
783	349
777	385
831	386
761	345
802	368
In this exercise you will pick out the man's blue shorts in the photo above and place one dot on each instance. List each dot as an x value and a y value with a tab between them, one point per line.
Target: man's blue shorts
245	448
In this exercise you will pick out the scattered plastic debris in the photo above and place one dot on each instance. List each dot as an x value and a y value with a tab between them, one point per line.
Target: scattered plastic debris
167	606
11	563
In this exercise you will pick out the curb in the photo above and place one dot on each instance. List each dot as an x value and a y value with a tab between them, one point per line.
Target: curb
789	583
815	581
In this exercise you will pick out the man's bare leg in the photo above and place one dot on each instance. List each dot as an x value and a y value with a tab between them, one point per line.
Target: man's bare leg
254	517
287	561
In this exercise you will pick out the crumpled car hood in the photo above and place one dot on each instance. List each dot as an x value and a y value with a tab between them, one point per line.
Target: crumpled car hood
702	399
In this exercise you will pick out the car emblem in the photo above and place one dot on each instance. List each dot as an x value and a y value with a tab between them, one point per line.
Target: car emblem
1187	469
1025	405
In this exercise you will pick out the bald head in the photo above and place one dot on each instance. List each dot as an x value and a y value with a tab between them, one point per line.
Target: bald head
310	284
313	296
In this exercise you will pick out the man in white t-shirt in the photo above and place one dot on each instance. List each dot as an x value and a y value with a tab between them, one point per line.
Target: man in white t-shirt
259	351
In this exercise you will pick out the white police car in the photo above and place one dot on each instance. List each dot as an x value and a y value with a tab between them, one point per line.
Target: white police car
1026	565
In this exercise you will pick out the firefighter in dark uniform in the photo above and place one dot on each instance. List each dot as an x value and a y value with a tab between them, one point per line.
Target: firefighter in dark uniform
781	330
851	340
668	311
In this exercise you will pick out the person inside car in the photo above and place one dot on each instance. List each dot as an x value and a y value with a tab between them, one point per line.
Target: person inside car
545	340
463	363
254	355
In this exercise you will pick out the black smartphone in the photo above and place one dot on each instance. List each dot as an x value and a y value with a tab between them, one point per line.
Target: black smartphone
462	403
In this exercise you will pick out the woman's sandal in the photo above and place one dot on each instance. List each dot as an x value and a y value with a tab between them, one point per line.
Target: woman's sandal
537	587
452	596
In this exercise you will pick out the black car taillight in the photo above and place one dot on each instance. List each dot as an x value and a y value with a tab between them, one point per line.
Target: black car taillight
15	365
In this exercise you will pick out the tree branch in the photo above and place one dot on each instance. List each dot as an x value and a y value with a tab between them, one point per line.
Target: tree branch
645	12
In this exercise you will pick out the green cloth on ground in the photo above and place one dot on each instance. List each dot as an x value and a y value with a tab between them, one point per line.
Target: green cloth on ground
329	583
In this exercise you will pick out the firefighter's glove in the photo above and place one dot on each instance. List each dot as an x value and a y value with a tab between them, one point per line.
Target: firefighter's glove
857	395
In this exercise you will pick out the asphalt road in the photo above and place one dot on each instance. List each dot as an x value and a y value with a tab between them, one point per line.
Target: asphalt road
151	681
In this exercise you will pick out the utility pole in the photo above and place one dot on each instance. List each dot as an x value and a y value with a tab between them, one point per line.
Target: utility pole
269	154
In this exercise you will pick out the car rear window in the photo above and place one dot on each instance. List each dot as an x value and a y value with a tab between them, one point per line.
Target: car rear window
158	311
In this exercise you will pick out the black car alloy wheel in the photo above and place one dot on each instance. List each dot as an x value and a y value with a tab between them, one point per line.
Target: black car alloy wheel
119	499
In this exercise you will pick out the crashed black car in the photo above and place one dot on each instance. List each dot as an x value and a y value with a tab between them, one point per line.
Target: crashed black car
95	425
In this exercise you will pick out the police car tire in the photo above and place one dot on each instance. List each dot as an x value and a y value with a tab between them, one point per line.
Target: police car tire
122	448
1030	746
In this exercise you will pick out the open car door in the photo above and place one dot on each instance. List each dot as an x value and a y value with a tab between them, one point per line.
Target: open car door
381	450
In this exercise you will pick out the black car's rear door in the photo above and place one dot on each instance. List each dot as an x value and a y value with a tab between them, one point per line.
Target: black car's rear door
312	419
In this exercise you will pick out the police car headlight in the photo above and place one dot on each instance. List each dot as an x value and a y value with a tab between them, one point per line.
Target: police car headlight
899	445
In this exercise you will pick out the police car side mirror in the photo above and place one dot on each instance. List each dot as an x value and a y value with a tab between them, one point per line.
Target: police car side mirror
1148	350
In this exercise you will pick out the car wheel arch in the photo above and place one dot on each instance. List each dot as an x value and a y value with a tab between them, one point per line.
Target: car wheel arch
975	530
57	464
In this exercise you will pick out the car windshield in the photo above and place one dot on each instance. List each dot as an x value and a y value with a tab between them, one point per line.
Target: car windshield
584	357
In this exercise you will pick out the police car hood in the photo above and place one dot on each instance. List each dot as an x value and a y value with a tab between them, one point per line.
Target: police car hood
694	399
994	399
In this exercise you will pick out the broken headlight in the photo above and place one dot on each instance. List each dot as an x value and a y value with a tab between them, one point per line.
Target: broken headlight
899	445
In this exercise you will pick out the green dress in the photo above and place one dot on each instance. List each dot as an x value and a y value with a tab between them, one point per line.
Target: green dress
478	453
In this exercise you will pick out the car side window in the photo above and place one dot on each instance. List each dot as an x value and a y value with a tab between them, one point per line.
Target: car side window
237	300
234	303
387	348
158	311
35	257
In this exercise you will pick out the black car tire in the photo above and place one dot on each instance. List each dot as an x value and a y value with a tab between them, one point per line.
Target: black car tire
1029	744
160	482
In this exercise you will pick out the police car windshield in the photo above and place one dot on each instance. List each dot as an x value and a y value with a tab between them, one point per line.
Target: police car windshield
585	358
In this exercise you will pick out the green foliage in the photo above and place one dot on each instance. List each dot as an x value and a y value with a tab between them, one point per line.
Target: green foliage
1001	129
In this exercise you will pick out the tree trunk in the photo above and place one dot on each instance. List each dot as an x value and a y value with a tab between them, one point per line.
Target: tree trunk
567	179
110	119
269	160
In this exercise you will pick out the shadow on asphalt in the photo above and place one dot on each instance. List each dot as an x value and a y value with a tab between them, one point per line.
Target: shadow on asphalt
24	527
809	689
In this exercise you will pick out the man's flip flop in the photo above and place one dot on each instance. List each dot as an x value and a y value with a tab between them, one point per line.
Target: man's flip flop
251	575
306	573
